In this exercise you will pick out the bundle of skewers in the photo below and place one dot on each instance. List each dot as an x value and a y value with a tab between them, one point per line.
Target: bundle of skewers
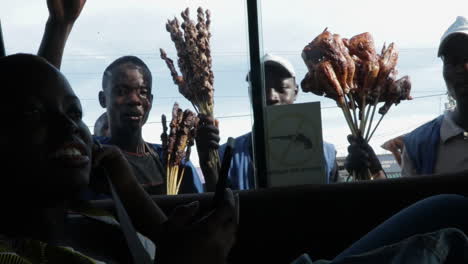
352	73
192	43
177	145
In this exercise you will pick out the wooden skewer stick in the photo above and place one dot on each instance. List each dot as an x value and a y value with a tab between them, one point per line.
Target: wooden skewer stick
171	180
353	106
363	112
351	126
375	128
168	173
371	119
366	118
347	114
180	180
174	183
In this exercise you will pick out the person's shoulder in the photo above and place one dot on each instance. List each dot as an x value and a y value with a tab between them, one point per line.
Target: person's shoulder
240	141
329	148
423	132
102	139
328	145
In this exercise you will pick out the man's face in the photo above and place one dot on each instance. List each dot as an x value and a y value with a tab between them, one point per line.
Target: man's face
455	71
47	141
128	98
279	88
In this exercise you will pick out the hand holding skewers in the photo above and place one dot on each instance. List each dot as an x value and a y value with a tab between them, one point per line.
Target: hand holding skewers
362	160
351	72
196	81
207	138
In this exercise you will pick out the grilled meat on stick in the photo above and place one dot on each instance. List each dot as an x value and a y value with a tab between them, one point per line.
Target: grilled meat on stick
192	42
362	49
183	133
198	50
174	126
327	46
325	60
182	129
350	67
388	60
396	92
178	80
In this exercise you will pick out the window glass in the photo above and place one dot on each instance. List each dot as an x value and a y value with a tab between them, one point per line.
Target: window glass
414	27
108	29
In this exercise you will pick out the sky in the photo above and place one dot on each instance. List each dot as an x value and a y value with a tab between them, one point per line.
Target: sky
108	29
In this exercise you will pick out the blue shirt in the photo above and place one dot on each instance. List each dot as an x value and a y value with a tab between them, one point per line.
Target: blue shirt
422	144
241	172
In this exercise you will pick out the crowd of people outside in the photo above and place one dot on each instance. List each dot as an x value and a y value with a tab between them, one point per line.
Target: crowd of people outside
67	167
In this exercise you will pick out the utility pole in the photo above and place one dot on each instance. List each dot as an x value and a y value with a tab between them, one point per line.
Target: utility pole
2	46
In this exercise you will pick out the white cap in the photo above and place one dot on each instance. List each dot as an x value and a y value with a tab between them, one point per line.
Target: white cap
277	61
459	26
280	61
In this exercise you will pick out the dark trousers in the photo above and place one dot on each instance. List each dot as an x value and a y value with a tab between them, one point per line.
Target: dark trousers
428	215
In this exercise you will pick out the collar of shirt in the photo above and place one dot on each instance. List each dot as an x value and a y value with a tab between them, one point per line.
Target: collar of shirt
449	128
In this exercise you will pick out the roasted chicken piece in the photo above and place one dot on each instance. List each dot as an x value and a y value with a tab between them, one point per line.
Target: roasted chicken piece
388	60
362	49
328	79
395	93
321	80
310	84
350	66
327	47
386	91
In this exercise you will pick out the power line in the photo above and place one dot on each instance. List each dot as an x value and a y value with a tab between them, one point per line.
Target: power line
245	96
249	115
155	53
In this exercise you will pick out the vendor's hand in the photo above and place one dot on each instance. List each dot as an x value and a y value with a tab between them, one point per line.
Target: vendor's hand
207	134
207	139
65	11
395	146
361	157
207	240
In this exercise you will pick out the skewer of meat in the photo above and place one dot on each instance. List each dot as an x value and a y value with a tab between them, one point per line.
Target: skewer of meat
182	129
328	71
196	83
398	91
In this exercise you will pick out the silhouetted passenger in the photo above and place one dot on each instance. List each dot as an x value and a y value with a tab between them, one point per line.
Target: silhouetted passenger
49	154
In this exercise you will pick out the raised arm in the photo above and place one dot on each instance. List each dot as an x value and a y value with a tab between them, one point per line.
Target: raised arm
147	217
62	16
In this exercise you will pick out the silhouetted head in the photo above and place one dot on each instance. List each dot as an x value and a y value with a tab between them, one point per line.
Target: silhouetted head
453	50
44	140
101	126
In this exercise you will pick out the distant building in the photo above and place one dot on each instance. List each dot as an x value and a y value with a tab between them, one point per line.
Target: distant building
389	165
